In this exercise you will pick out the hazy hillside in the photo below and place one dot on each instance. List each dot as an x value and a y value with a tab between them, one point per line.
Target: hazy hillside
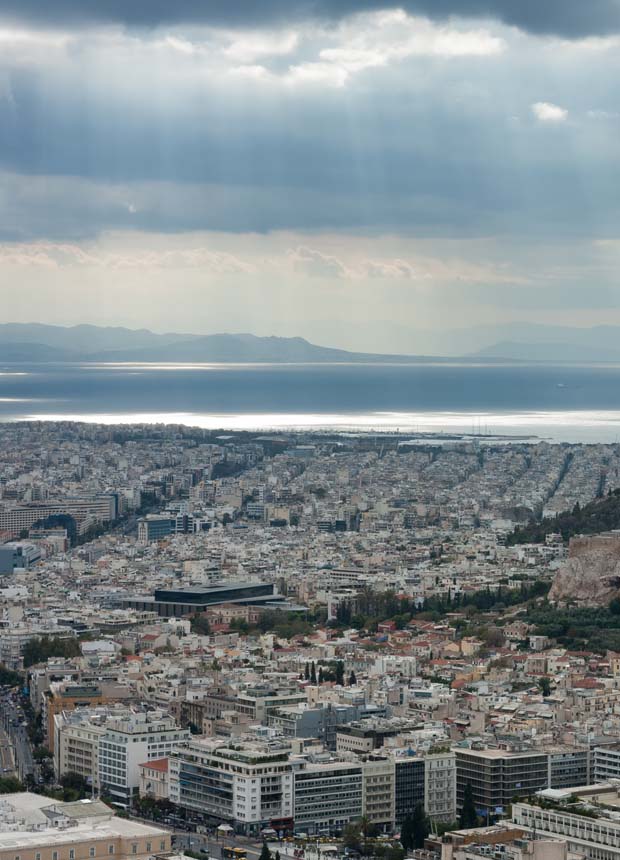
24	352
549	352
233	348
33	342
86	338
36	342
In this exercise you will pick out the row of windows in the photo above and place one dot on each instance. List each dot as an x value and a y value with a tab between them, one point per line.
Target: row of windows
92	851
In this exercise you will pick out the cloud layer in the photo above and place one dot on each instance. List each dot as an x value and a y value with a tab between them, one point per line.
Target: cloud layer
308	167
569	18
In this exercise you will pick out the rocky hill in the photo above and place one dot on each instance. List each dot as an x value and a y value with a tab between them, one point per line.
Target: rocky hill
591	574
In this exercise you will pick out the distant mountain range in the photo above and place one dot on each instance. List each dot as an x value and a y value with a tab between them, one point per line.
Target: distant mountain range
35	342
520	341
531	342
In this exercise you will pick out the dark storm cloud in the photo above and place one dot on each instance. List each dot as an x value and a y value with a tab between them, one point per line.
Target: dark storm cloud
569	18
375	157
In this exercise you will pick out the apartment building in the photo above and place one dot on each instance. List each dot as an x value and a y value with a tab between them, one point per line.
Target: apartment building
328	795
250	785
378	798
76	747
107	746
440	785
255	705
68	696
129	741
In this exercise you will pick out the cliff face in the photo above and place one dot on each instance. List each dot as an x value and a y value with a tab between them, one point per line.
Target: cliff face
591	574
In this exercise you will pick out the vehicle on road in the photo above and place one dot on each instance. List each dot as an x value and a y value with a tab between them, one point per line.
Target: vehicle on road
229	853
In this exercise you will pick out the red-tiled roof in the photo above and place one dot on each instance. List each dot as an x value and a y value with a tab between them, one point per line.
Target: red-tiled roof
160	764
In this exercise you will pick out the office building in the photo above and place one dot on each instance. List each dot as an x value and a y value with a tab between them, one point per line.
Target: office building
22	554
498	776
328	795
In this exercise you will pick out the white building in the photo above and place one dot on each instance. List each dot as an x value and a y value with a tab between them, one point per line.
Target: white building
596	838
107	746
440	786
250	785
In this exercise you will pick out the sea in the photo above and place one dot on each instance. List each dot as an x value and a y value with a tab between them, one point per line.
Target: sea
440	399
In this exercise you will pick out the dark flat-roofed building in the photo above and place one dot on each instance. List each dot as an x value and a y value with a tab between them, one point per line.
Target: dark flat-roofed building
176	602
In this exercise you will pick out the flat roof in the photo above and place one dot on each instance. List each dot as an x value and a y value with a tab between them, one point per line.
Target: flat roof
110	828
497	754
211	589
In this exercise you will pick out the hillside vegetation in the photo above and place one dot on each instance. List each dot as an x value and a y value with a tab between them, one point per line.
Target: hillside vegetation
600	515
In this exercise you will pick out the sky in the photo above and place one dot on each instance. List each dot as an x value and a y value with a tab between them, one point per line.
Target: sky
365	175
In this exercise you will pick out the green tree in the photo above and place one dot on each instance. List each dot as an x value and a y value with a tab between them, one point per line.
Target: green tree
420	827
8	678
340	673
352	679
41	753
38	650
468	817
200	624
406	833
265	853
312	673
352	835
10	784
545	686
367	827
74	787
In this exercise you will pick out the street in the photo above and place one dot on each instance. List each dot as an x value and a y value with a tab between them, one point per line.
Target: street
12	719
7	764
200	842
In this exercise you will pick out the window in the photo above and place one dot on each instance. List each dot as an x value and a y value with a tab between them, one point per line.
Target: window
148	847
134	848
110	849
37	856
91	852
162	845
55	855
71	853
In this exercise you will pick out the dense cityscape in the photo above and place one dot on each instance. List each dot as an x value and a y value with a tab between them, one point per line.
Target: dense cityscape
306	644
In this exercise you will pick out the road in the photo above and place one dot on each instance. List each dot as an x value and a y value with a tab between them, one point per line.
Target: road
11	719
198	842
7	763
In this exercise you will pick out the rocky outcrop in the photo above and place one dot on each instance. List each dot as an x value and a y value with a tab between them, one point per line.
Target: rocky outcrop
591	574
